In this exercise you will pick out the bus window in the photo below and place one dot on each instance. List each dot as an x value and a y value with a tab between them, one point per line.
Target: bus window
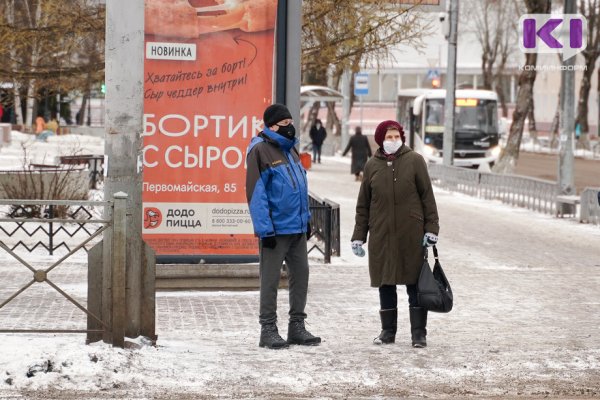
434	116
481	117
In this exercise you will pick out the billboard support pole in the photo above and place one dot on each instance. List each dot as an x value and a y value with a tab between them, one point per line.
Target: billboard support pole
293	55
281	51
123	147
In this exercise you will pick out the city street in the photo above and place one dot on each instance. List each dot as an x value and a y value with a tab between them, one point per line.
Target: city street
524	325
545	166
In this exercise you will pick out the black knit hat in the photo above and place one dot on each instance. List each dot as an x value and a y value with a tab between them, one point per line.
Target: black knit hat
275	113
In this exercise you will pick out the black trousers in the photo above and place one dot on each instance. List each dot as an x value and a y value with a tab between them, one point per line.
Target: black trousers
317	152
388	298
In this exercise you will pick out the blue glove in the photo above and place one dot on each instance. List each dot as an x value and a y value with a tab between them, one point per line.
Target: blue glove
430	239
357	248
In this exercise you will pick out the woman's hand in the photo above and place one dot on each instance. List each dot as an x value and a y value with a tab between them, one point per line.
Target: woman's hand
357	248
430	239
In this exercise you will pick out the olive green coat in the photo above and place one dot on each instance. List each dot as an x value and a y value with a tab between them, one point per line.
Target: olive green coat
396	206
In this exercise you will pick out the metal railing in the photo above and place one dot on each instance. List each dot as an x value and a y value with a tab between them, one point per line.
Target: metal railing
531	193
95	165
56	222
590	206
107	323
325	220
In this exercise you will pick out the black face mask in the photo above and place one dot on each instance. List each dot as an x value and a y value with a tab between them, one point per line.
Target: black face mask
287	131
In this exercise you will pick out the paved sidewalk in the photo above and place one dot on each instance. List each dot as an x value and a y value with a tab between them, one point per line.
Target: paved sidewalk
525	323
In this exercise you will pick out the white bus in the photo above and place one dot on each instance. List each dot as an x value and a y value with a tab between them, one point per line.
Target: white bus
476	124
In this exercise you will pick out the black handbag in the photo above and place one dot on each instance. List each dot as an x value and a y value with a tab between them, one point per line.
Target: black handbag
433	290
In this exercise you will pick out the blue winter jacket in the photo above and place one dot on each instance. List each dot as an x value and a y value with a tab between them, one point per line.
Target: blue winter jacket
276	186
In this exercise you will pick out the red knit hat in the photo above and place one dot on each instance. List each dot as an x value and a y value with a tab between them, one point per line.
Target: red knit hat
383	127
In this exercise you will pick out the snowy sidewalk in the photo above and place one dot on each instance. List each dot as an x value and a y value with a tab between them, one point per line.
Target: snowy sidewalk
525	323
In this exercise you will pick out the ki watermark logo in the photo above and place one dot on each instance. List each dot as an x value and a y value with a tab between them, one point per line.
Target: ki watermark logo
545	33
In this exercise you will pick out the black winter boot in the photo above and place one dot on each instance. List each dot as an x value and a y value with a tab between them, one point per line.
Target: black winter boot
418	324
297	334
269	337
389	325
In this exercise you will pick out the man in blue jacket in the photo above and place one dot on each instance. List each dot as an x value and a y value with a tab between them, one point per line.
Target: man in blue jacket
277	193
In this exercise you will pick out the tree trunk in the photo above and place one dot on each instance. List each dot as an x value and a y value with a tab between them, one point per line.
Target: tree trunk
582	105
510	154
80	117
533	134
332	115
555	126
17	104
335	126
487	73
35	53
502	96
29	111
10	16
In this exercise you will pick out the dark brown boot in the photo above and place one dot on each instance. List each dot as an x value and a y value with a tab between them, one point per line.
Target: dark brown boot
389	325
418	326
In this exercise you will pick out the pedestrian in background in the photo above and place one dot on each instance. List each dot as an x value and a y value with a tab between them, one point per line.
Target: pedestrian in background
396	207
317	135
40	124
52	125
361	151
277	193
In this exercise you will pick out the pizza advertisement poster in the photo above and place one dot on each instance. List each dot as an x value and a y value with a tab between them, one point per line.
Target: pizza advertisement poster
208	76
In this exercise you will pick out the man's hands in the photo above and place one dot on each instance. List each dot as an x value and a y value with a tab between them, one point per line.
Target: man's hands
269	242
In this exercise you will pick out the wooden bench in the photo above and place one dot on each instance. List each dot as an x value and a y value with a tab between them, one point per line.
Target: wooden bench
567	205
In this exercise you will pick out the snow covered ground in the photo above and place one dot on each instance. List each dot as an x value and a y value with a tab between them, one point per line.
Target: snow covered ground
525	322
26	147
528	145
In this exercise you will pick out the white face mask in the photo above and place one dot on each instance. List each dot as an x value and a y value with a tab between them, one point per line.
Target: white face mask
391	146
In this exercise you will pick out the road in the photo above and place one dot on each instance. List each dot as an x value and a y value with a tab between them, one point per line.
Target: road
545	166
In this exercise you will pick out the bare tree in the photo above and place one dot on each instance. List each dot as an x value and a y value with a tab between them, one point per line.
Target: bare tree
340	36
43	47
9	11
493	23
591	10
510	154
533	134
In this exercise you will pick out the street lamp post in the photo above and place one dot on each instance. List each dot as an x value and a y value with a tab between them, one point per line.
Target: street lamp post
566	178
450	85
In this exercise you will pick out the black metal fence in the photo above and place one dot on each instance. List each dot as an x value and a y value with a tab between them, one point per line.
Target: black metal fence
48	224
57	224
326	227
95	165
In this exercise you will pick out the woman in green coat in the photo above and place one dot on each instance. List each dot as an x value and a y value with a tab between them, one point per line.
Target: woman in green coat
396	208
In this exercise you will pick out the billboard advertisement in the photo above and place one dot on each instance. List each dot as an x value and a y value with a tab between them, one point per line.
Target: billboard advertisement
208	76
